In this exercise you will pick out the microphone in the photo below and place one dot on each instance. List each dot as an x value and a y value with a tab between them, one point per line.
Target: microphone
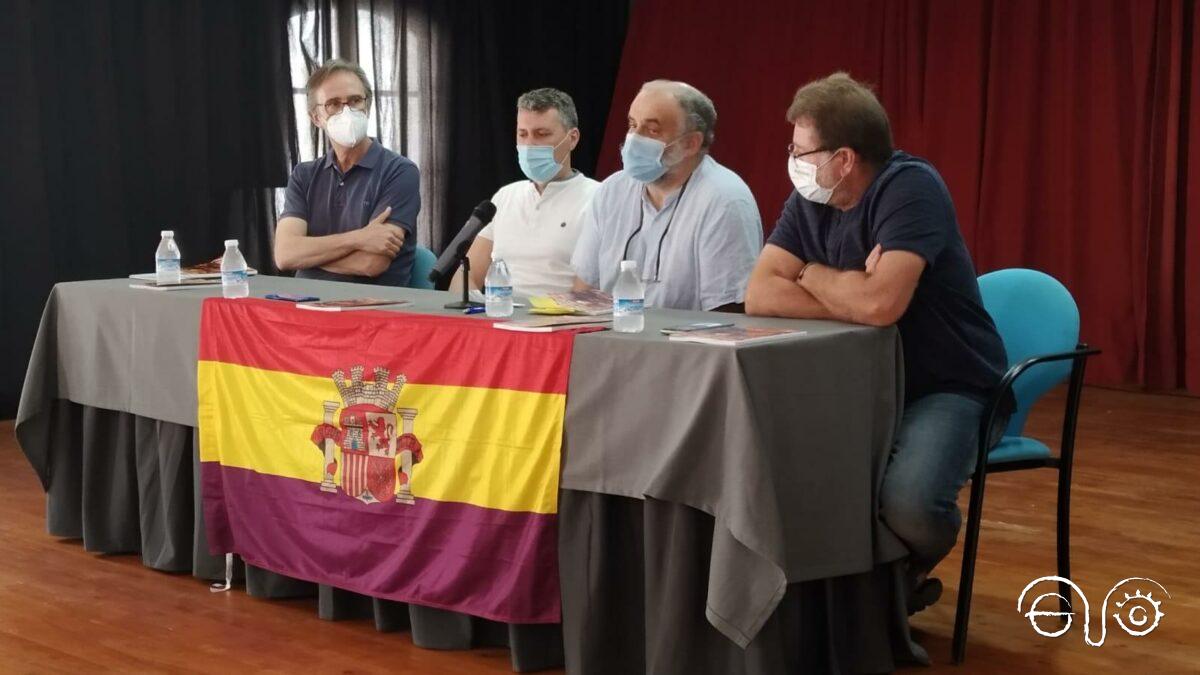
457	250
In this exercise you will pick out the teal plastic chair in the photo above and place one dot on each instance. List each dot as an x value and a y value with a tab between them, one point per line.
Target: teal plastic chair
423	263
1039	323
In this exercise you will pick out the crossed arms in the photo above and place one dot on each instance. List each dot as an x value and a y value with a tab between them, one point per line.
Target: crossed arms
877	296
365	252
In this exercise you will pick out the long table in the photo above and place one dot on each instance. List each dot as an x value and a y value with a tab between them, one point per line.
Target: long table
718	505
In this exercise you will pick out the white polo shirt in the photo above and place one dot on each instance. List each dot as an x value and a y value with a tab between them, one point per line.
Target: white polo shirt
535	233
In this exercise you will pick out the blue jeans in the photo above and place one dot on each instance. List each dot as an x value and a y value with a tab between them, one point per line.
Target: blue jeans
932	458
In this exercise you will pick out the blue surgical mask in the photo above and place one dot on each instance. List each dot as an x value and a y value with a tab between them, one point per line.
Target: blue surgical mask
643	157
537	161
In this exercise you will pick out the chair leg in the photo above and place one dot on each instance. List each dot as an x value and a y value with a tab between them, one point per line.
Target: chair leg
1065	465
970	547
1064	537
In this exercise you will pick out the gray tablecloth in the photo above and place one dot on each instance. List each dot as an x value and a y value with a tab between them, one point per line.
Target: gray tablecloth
635	574
783	443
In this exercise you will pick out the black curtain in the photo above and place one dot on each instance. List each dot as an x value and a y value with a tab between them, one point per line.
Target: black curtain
502	49
123	118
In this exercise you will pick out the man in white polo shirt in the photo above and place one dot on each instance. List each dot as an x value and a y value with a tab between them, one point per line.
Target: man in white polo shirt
537	220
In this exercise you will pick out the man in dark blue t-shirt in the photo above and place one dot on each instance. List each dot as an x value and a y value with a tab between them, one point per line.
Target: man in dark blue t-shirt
351	214
870	236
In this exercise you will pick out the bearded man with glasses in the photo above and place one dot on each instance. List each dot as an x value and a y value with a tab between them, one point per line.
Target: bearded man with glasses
691	225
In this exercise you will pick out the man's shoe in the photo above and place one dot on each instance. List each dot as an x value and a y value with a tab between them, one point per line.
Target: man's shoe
925	594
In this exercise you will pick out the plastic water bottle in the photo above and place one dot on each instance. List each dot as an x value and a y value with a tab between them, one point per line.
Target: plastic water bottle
629	300
234	282
166	260
497	290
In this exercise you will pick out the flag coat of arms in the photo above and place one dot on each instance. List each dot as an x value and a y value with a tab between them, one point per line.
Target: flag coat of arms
404	456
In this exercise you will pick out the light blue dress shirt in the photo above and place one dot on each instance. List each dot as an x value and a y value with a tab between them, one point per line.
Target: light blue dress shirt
696	252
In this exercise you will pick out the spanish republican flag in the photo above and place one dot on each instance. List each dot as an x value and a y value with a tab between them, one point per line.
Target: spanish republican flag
404	456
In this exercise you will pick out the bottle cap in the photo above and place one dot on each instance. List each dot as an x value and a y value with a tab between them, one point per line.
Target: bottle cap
167	233
230	242
628	265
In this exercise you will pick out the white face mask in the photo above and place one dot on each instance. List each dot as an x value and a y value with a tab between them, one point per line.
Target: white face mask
804	177
348	127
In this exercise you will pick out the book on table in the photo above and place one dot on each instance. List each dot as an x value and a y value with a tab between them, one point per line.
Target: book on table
476	295
736	335
550	324
204	270
182	284
349	304
591	302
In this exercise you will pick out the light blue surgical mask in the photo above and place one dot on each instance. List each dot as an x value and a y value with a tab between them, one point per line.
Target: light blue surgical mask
643	157
537	161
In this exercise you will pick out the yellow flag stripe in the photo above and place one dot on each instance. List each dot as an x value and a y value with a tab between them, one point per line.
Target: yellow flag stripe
494	448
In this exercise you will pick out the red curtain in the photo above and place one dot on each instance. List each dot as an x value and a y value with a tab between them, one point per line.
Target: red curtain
1068	133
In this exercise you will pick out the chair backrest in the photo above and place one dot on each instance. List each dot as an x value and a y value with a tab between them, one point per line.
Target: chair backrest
423	263
1036	316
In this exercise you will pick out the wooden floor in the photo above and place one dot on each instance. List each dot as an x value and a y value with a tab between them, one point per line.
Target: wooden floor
1136	513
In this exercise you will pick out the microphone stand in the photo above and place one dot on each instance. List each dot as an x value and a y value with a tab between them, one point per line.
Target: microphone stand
466	302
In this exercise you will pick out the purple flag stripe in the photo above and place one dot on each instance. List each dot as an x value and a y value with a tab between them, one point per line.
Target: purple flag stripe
499	565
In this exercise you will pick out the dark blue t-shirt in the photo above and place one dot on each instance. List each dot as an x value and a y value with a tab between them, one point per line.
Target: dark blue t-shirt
333	202
950	342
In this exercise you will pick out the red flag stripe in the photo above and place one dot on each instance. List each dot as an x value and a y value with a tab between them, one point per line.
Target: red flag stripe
428	349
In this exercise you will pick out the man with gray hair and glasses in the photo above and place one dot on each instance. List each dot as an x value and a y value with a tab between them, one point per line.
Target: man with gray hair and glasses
691	225
351	214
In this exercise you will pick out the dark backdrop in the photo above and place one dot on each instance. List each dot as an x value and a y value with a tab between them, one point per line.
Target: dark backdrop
123	118
502	49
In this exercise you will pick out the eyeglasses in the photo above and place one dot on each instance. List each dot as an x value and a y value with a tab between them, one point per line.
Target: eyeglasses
334	105
792	151
666	144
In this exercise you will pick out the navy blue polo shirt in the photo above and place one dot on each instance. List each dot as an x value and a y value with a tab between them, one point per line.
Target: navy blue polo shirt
333	202
950	342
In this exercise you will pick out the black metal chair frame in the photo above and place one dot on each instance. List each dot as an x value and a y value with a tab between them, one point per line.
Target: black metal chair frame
1062	462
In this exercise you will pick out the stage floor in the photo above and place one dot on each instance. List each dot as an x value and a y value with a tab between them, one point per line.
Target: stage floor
1136	513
